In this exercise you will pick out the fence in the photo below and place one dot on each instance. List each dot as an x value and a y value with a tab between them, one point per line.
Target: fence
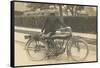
85	24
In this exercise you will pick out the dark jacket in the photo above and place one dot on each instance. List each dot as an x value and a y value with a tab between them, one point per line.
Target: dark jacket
51	24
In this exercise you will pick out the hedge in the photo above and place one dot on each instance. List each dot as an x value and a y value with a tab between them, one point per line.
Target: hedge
85	24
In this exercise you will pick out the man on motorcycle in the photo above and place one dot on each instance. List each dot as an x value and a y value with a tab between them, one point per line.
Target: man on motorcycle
51	25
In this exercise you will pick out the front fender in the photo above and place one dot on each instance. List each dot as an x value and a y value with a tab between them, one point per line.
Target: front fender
75	38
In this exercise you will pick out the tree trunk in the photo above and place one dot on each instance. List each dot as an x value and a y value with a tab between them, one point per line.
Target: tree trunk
75	11
60	10
61	14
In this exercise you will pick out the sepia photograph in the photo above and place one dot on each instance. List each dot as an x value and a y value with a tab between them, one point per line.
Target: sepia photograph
53	33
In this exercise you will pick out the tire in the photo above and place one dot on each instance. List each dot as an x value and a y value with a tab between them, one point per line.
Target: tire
79	49
36	50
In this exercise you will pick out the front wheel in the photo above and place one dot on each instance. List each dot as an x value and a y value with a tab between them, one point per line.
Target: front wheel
36	50
79	49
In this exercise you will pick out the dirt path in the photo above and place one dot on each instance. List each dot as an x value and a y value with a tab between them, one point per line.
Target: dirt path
21	57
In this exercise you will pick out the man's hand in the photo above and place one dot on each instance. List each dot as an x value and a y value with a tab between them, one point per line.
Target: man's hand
41	33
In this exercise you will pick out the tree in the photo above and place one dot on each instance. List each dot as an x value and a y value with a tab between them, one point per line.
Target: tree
61	13
73	9
35	6
60	10
78	8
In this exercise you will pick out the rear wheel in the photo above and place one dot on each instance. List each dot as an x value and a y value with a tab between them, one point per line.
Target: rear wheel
36	50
